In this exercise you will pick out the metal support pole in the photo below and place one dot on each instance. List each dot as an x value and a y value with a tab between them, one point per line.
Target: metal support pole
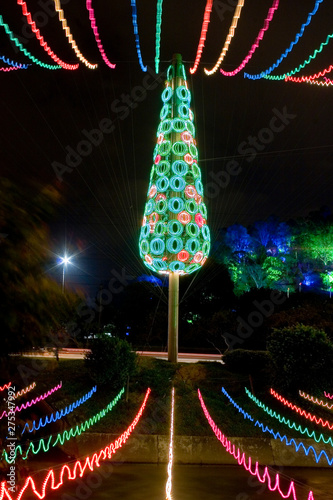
173	317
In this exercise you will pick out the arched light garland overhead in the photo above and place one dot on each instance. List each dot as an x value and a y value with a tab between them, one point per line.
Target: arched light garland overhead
289	49
25	390
70	37
292	425
205	23
18	66
169	480
300	411
315	401
41	40
136	34
95	30
18	44
72	471
260	36
272	484
158	34
44	444
231	33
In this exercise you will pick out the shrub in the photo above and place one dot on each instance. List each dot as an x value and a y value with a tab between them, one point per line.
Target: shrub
110	361
247	362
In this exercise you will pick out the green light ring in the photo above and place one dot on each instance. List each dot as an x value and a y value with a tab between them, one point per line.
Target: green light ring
176	266
183	111
176	209
190	127
164	127
157	246
178	125
163	167
164	111
177	183
160	228
205	232
161	206
192	245
203	210
145	231
183	93
193	150
162	184
206	248
149	266
167	92
191	206
191	268
196	171
171	228
179	167
150	205
199	186
164	148
159	265
174	244
180	148
144	247
192	229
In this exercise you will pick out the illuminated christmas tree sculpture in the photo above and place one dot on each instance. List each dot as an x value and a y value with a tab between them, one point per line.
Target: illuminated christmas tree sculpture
175	238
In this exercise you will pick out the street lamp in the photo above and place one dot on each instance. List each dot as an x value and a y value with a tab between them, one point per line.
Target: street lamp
64	261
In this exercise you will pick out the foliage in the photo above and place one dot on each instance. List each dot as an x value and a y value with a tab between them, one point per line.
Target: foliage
302	356
110	361
247	361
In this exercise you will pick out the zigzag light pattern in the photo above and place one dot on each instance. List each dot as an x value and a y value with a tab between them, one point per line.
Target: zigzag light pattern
277	435
316	401
230	35
6	386
10	68
45	444
26	405
286	421
95	30
206	20
136	34
41	40
328	395
289	49
273	485
300	411
19	66
25	390
326	83
70	37
158	34
254	47
58	415
70	473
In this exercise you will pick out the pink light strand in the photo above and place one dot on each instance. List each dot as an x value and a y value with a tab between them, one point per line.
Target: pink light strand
95	30
11	68
204	29
300	411
316	401
328	395
254	47
41	40
26	405
241	459
70	474
6	386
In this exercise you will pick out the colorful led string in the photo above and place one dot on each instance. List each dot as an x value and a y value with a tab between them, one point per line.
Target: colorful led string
289	49
231	33
205	22
25	390
12	67
315	76
303	413
22	49
69	36
273	485
326	83
286	421
95	30
78	468
254	47
58	415
6	386
328	395
169	481
316	401
44	444
158	34
136	34
41	40
26	405
277	435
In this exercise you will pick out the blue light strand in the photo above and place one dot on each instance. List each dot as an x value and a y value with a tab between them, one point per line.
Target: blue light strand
13	63
136	34
289	49
58	415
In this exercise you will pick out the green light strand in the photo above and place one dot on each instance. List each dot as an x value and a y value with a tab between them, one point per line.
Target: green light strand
22	49
158	34
65	436
301	66
286	421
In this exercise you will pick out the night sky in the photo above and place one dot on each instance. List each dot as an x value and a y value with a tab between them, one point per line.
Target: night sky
44	114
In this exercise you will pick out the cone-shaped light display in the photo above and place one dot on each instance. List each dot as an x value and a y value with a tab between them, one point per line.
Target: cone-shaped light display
175	237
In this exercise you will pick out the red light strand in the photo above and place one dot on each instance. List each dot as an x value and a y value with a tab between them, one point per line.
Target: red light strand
247	462
254	47
6	386
95	30
303	413
204	29
68	473
41	40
